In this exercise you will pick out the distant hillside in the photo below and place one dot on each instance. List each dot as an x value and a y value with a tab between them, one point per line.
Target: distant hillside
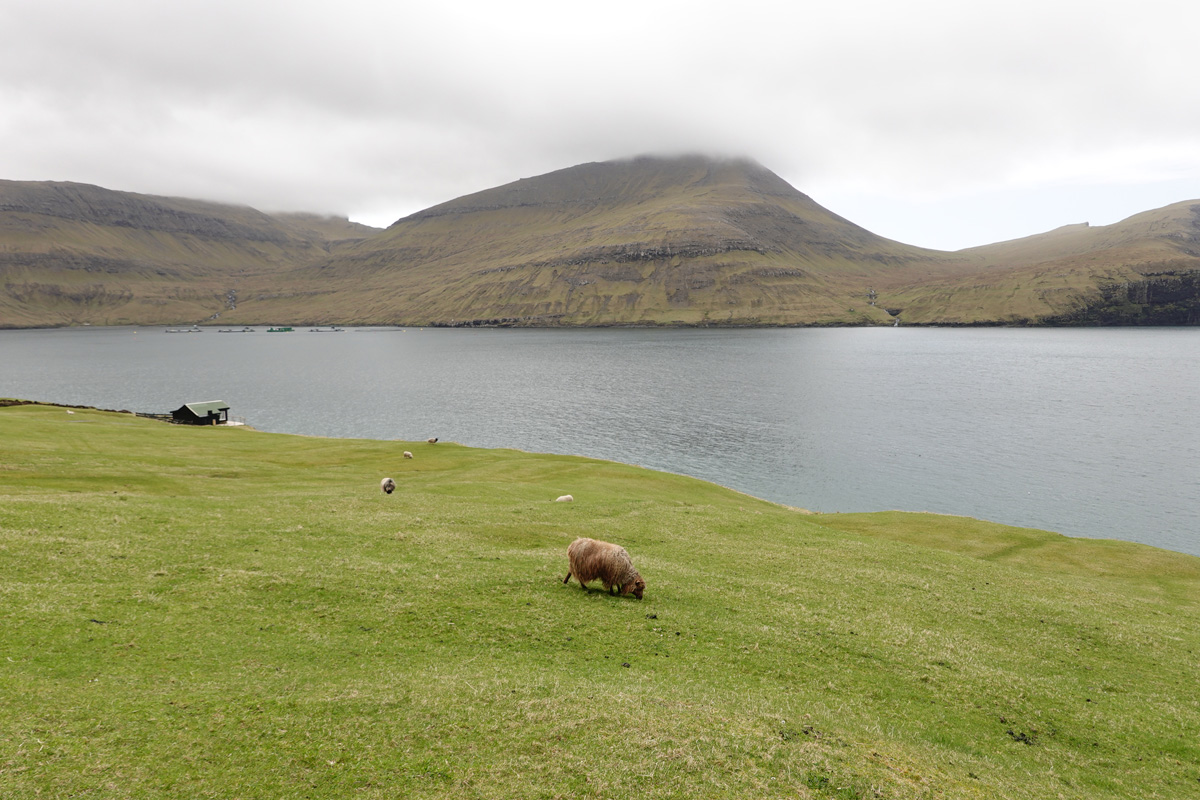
1142	270
647	241
698	241
322	227
73	253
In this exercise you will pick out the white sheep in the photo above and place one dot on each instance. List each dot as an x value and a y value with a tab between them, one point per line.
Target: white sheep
407	454
387	485
566	498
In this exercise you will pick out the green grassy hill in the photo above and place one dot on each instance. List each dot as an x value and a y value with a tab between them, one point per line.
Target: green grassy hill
218	612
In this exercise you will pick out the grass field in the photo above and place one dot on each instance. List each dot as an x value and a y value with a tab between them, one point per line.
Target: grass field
224	613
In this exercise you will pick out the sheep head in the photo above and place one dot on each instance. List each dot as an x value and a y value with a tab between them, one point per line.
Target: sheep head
637	586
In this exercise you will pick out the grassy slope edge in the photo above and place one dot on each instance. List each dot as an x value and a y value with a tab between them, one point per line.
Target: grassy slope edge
222	612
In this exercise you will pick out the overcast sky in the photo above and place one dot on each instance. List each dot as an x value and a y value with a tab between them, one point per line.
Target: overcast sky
940	123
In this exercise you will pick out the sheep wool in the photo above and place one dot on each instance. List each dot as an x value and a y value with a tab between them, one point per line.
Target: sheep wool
591	559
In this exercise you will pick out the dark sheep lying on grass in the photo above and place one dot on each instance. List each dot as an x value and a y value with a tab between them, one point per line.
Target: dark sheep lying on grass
387	485
591	559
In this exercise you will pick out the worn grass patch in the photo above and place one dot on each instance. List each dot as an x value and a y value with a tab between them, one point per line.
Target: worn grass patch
220	612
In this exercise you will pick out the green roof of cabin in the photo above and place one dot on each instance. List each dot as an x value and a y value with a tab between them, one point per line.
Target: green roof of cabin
207	407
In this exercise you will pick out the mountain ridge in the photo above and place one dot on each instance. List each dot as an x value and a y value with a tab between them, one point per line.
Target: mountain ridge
74	253
686	240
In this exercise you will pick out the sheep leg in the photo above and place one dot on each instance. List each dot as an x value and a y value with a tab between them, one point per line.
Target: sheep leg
567	579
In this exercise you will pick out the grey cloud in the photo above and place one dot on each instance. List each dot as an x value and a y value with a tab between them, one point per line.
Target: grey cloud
371	106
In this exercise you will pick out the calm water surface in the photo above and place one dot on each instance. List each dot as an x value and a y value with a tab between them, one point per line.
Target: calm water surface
1089	432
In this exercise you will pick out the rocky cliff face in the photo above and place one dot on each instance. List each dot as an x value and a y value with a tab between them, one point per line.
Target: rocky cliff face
1169	297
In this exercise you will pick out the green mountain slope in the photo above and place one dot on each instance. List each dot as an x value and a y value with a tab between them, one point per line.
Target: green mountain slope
1144	269
648	241
73	253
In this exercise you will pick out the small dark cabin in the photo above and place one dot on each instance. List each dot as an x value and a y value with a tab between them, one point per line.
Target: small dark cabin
211	412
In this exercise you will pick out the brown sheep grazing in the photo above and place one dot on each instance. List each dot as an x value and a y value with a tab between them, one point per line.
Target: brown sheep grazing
387	485
591	559
434	440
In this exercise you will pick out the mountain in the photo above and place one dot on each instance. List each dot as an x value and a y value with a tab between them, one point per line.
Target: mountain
1141	270
647	241
72	253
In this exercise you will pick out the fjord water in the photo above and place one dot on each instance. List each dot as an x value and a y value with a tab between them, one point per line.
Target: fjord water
1088	432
